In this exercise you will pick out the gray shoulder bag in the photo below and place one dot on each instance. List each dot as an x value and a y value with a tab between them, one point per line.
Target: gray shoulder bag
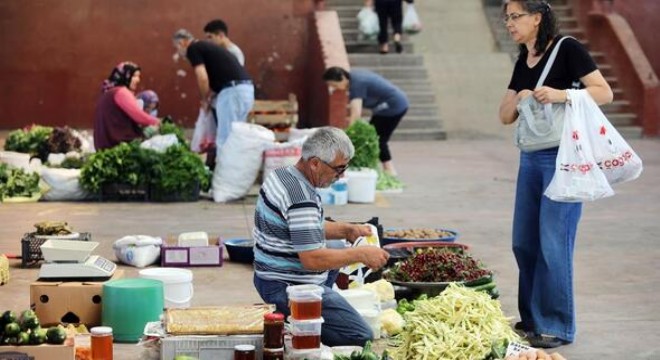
540	126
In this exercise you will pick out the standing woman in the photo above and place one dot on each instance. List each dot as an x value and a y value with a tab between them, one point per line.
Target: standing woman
388	104
391	10
544	230
118	117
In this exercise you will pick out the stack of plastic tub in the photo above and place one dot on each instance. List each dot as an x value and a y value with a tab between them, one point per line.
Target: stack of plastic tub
305	320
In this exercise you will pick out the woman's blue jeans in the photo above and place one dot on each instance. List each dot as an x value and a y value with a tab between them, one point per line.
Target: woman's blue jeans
342	324
232	104
543	242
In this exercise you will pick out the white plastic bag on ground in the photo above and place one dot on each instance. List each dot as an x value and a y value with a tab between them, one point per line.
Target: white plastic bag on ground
160	143
138	250
16	159
612	153
239	161
63	184
279	155
205	131
411	22
368	22
577	175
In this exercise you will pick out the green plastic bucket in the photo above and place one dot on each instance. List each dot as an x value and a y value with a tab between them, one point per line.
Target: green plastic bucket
129	304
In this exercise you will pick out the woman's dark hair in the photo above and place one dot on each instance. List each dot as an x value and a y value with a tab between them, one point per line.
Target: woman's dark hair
548	27
336	73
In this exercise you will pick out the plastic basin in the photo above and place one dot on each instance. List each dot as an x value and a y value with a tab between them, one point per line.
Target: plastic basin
240	250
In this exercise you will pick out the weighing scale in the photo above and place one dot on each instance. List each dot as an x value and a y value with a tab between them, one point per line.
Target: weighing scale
68	259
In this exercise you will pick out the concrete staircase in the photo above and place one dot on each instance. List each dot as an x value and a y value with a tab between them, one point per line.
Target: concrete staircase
619	111
407	71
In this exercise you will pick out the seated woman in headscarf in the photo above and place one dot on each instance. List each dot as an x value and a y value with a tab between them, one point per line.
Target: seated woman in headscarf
118	117
149	101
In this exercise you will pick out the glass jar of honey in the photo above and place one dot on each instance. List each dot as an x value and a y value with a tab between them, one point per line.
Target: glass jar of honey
273	329
273	354
101	343
245	352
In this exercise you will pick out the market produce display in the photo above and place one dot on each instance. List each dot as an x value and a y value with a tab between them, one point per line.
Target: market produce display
365	140
53	228
26	330
31	139
17	183
62	140
4	269
459	324
437	265
177	171
366	354
418	234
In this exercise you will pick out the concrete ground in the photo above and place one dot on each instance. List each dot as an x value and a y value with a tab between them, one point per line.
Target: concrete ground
466	183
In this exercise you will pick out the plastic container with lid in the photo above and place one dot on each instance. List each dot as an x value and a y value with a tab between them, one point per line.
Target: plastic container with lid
245	352
306	334
102	343
305	301
273	331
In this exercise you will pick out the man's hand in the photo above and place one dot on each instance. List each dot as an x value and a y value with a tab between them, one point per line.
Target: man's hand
373	257
536	355
354	231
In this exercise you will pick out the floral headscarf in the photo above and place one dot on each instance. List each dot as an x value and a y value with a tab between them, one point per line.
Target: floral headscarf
120	76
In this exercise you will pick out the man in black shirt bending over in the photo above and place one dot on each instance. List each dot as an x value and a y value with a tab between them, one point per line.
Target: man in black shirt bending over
218	72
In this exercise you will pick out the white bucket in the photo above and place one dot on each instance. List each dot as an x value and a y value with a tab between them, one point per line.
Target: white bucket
335	194
362	185
177	285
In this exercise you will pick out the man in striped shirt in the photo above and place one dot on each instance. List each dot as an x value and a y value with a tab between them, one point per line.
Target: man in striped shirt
290	236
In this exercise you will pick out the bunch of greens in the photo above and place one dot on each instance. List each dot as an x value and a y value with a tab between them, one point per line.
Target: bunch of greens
178	170
31	140
17	183
73	163
123	164
365	140
387	182
169	127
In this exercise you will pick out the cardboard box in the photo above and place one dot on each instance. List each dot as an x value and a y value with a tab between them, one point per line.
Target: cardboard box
42	352
171	254
68	302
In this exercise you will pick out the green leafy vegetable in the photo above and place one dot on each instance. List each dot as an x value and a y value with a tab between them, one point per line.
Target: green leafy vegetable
31	140
365	140
179	170
123	164
17	183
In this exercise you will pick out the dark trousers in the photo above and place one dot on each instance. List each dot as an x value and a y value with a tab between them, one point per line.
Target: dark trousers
392	10
385	126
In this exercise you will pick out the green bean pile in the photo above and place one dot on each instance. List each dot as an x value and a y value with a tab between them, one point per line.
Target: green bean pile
459	324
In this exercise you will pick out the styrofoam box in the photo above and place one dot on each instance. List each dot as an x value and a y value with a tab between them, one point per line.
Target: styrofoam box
208	347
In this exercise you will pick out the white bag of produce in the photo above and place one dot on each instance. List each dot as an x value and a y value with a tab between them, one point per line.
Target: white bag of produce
16	159
160	143
300	134
279	155
368	22
205	131
239	161
63	184
138	250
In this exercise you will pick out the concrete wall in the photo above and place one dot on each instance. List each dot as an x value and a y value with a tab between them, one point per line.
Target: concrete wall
55	54
643	16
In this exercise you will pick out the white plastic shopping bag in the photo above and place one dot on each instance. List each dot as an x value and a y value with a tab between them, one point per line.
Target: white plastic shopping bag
577	177
612	153
368	22
160	143
411	22
205	131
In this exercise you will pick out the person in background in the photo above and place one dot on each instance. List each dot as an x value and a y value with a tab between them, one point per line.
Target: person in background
388	104
217	72
389	11
544	230
149	101
218	32
290	237
118	117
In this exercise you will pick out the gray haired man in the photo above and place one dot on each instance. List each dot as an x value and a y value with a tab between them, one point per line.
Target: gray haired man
290	236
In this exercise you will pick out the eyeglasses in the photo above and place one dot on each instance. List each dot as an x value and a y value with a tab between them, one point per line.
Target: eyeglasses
512	16
337	169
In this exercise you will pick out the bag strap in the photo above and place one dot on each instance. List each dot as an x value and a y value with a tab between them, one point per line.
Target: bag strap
551	61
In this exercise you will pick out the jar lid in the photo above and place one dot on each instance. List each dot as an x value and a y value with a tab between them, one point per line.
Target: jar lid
274	317
245	347
101	330
267	350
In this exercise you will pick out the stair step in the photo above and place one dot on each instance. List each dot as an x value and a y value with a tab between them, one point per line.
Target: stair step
616	106
419	134
621	119
418	122
630	132
401	72
366	60
352	34
371	47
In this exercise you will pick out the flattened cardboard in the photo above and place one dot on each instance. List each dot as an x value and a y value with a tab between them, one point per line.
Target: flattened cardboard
43	352
52	301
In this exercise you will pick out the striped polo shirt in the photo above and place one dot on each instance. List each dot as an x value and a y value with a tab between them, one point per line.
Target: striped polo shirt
288	219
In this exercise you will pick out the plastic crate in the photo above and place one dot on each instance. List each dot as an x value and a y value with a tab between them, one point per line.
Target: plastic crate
208	347
15	355
31	247
124	192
